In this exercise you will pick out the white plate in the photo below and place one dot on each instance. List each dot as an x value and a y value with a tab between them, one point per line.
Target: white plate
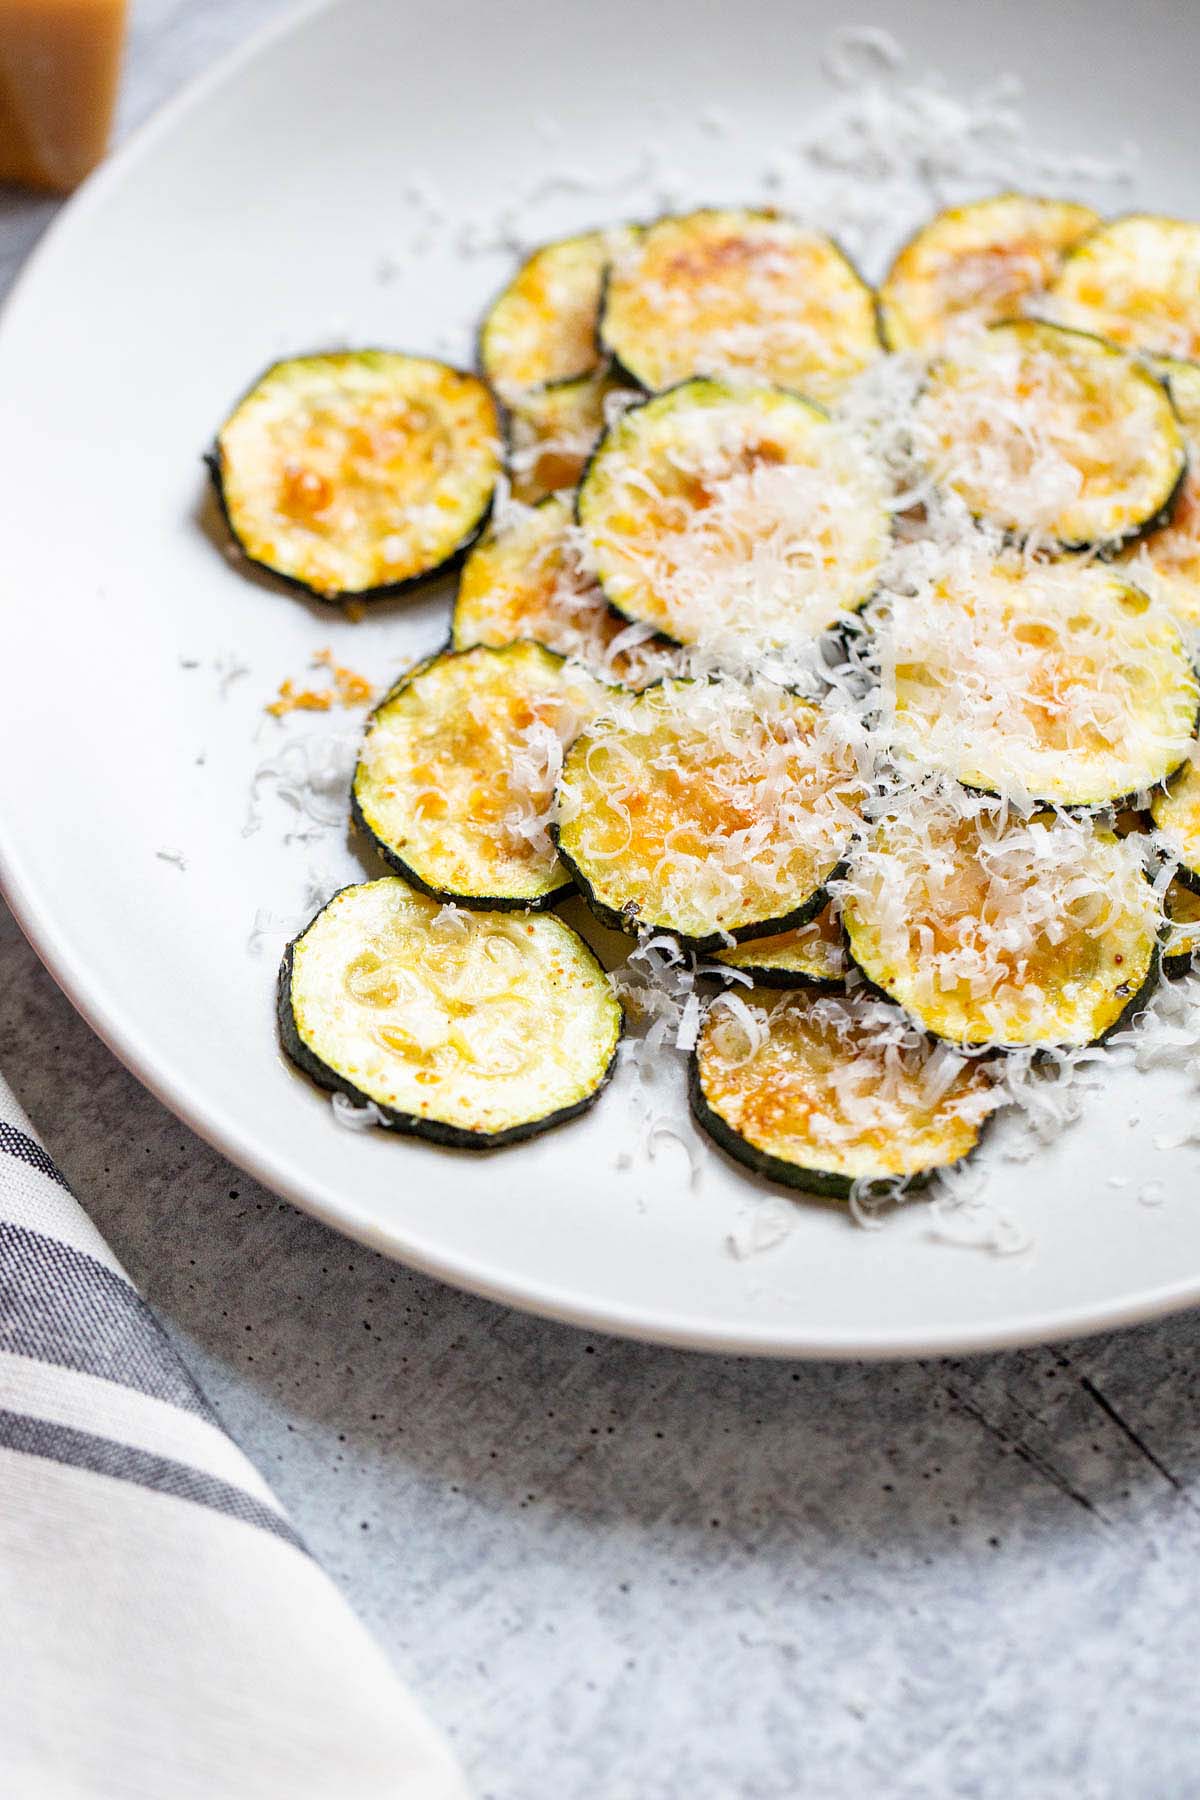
262	215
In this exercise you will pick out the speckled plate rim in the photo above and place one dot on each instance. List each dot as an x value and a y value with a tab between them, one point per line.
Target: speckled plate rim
121	1033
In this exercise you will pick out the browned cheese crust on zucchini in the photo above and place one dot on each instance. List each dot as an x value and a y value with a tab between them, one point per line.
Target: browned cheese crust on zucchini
1167	562
456	775
823	1092
993	929
1175	812
552	431
1044	681
736	519
812	956
470	1029
739	293
1053	436
1136	281
708	809
542	329
976	265
355	473
523	580
1182	939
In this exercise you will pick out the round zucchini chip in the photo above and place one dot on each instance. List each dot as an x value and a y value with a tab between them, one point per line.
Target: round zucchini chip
708	809
1136	281
1057	682
1051	434
455	778
356	473
1175	812
993	929
735	519
543	326
830	1092
812	956
738	293
470	1029
1167	562
1183	930
523	580
552	432
976	265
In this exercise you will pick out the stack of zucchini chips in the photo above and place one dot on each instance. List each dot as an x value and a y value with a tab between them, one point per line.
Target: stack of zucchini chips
839	640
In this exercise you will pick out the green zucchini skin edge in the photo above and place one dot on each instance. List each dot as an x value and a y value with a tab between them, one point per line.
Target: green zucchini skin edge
626	374
851	622
481	902
585	475
390	590
1132	1005
717	940
507	415
822	1182
1189	877
387	591
727	974
1136	1001
983	200
433	1131
785	978
714	940
1104	549
1085	809
452	643
1108	548
560	380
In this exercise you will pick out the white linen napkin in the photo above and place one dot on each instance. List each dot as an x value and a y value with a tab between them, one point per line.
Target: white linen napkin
166	1636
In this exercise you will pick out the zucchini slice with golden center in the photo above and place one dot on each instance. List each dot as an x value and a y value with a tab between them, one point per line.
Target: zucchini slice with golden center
523	580
976	265
738	293
1038	931
1052	434
1056	682
1136	281
829	1091
1167	563
812	956
456	774
552	432
733	518
356	473
1176	815
708	809
543	326
470	1029
1183	930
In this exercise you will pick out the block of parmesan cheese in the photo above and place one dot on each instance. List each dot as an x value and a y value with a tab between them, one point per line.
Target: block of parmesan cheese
59	61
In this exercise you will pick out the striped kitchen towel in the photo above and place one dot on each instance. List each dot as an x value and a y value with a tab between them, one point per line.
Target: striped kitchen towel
165	1635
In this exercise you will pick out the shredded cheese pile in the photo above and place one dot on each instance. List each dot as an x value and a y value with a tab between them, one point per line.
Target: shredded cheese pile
995	917
718	797
1029	436
1036	680
746	550
847	1075
746	534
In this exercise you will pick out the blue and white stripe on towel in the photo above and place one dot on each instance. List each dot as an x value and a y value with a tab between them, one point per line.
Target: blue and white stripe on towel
173	1636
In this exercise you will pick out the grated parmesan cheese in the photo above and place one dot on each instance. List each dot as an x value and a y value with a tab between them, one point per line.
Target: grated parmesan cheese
868	167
